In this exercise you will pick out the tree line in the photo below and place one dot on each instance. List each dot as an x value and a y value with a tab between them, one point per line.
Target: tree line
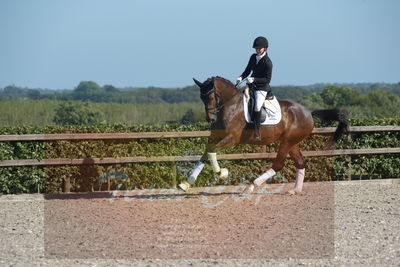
90	103
377	103
92	92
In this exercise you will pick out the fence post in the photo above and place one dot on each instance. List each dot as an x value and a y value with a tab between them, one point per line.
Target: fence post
349	171
173	172
66	185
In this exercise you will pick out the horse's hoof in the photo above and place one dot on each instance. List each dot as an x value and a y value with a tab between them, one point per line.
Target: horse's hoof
293	192
249	190
184	186
223	173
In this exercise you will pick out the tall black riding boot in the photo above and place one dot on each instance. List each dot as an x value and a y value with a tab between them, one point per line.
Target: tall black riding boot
257	122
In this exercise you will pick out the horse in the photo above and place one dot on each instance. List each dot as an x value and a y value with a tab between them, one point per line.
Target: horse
224	109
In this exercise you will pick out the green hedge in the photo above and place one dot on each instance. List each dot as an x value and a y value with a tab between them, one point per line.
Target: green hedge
164	175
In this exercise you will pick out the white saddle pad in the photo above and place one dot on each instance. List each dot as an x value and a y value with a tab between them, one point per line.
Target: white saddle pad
273	114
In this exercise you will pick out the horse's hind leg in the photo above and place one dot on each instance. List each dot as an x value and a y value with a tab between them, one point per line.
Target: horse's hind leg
277	165
300	164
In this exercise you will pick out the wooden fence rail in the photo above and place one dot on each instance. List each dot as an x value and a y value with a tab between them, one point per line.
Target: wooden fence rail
157	135
124	160
143	135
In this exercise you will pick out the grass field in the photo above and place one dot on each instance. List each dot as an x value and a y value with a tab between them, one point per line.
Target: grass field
41	112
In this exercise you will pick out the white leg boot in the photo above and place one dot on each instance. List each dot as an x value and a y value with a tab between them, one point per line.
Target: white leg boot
298	186
264	177
260	180
192	177
223	172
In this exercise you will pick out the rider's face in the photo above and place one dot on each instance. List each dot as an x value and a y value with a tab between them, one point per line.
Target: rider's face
259	51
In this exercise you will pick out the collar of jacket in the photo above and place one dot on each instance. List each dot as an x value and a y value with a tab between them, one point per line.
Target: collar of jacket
258	58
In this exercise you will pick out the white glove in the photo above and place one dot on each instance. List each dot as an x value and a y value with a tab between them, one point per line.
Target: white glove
238	80
250	80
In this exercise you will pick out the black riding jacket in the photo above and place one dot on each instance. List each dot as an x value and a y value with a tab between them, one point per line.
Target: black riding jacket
261	72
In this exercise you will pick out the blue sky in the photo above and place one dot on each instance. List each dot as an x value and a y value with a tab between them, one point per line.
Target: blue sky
140	43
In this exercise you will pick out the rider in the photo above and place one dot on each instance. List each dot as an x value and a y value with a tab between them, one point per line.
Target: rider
261	66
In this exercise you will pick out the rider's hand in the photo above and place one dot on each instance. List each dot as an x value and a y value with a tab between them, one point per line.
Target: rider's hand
250	80
238	80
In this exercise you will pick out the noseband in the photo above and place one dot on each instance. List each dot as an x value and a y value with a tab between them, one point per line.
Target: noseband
217	108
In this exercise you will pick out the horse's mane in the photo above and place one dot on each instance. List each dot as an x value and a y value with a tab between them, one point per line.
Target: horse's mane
222	79
210	81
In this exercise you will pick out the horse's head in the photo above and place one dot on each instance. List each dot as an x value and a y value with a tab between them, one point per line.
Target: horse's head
211	99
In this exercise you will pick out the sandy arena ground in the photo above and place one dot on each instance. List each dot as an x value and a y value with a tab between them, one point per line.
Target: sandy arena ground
330	224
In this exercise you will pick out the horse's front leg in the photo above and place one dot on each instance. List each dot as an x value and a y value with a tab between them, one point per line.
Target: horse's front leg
222	172
211	155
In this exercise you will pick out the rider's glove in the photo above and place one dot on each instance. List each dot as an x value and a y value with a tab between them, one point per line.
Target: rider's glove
238	80
250	80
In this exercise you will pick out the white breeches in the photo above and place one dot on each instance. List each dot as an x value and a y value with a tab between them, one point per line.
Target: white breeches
260	98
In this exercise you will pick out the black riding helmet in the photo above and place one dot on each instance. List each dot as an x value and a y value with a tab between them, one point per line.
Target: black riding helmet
260	42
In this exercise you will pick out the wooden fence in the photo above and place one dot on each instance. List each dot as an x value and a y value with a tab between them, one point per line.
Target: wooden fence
157	135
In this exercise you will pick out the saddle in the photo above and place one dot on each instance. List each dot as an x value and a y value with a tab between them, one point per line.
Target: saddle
270	111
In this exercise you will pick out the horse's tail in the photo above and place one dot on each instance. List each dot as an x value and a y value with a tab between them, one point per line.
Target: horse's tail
331	115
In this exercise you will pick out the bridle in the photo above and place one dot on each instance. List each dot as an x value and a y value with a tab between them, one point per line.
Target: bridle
217	108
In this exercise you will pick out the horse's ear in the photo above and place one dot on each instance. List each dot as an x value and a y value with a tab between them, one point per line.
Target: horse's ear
199	84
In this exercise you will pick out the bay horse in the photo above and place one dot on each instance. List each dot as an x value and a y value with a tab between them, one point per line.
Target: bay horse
225	111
